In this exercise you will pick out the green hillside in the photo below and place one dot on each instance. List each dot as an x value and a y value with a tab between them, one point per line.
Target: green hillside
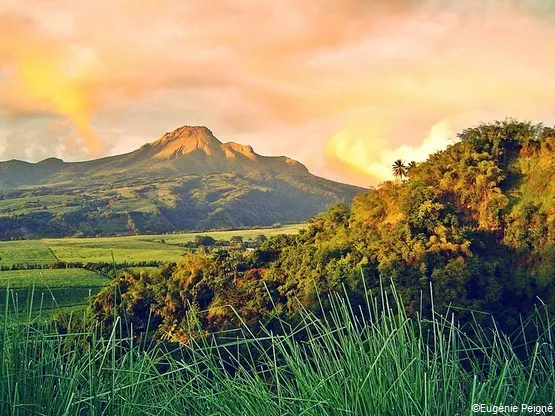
475	223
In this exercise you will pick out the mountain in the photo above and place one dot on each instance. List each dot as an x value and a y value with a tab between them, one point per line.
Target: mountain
186	180
187	150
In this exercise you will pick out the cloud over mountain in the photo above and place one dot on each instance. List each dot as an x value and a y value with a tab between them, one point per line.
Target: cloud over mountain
103	77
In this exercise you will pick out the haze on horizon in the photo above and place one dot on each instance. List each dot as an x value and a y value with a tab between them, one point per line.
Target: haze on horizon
345	87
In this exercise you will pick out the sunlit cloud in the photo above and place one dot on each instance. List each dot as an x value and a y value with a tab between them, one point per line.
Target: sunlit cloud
343	86
363	148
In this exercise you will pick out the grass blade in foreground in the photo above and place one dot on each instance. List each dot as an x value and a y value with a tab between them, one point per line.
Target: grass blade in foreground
346	363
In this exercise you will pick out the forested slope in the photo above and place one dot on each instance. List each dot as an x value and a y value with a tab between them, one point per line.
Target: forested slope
476	222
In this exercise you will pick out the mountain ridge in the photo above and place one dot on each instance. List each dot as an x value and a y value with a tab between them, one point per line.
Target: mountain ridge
187	179
188	149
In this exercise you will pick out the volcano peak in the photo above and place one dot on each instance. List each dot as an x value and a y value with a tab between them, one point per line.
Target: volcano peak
186	139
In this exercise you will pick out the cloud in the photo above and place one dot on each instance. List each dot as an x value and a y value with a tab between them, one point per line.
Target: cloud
38	136
364	148
289	77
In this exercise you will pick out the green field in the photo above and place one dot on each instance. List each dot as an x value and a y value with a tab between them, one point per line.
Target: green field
26	251
63	288
53	289
72	252
51	278
160	247
224	235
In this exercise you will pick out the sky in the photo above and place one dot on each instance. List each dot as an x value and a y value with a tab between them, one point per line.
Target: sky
344	86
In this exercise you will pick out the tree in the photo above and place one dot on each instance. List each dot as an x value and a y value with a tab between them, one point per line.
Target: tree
236	241
399	169
204	241
410	167
260	239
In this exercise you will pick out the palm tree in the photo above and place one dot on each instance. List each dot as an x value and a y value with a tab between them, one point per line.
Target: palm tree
399	169
410	167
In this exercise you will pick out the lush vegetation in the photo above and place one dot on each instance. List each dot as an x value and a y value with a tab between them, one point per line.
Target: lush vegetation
476	222
163	205
63	273
27	254
425	296
343	362
60	275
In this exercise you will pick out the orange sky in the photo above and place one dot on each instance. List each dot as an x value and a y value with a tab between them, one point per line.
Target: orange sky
344	86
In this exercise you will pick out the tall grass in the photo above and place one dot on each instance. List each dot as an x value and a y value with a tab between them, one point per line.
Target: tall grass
347	362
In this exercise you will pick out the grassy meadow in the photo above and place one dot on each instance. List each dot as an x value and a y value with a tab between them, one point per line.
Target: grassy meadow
51	278
25	252
49	289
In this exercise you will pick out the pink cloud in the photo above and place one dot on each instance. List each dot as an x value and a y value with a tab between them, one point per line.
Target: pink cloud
290	77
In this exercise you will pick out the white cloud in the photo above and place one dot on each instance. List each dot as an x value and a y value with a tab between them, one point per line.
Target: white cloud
371	154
